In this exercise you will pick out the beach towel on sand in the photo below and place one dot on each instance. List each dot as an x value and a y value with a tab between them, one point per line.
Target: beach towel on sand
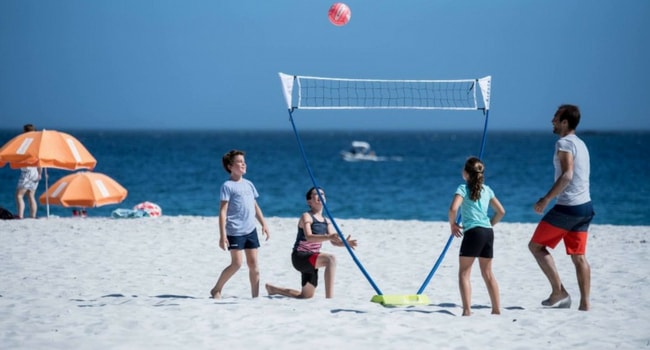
121	213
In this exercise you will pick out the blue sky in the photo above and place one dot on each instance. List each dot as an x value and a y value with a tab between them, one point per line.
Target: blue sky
198	64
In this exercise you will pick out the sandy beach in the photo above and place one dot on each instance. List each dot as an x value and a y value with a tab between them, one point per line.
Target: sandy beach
102	283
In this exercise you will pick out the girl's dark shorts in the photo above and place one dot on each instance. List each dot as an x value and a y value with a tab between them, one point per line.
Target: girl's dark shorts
304	262
478	242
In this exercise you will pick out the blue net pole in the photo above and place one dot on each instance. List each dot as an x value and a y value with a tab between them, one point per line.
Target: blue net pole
327	211
451	237
485	125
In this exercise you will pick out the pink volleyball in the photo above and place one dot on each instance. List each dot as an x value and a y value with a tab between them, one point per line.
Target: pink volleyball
339	14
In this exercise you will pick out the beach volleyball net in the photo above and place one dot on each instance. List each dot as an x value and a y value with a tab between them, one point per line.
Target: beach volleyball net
306	92
326	93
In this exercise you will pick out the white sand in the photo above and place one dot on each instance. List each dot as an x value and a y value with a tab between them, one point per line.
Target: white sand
101	283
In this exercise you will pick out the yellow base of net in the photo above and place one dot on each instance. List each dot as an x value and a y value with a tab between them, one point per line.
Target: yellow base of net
401	300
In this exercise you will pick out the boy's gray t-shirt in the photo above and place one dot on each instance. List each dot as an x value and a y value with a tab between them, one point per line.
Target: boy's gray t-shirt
240	216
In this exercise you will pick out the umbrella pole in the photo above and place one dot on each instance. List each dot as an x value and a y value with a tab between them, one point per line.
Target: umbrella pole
47	195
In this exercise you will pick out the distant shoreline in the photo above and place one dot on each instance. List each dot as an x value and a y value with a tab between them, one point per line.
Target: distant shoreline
341	220
324	130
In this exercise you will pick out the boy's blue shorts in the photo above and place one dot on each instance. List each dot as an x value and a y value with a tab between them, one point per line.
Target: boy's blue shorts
249	241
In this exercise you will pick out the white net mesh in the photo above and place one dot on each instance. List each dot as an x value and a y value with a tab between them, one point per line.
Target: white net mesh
305	92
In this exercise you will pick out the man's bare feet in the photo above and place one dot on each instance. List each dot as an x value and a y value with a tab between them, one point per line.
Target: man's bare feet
215	294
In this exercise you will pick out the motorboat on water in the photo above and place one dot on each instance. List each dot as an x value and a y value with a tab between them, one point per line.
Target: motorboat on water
360	151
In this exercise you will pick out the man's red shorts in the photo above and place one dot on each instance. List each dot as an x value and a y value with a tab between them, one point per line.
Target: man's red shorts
568	223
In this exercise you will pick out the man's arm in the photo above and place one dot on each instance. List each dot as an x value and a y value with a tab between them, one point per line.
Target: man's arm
566	164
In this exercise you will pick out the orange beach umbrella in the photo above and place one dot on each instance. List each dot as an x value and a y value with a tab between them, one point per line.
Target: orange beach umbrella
47	149
86	190
18	165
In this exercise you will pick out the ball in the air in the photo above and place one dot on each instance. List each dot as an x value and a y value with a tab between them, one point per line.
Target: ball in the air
339	14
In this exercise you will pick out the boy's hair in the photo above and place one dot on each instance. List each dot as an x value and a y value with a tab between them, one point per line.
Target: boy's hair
570	113
229	158
28	128
474	168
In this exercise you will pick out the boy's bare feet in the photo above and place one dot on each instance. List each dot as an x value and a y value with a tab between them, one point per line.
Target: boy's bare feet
584	305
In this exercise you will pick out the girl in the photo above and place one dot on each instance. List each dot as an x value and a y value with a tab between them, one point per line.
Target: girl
473	198
313	229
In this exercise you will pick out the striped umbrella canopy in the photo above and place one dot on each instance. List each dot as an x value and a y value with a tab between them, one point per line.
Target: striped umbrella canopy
46	149
85	189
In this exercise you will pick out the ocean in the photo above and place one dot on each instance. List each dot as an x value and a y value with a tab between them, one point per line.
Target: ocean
181	171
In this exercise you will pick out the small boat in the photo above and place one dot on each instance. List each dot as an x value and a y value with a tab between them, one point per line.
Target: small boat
360	151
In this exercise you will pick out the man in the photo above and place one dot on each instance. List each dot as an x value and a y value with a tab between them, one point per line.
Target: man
568	220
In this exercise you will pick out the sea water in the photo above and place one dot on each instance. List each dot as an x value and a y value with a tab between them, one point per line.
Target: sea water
182	172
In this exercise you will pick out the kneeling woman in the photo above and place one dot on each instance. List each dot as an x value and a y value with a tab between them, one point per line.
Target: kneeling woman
313	230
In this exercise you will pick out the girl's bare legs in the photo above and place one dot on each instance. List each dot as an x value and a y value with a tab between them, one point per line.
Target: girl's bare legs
491	284
464	272
308	290
229	271
329	262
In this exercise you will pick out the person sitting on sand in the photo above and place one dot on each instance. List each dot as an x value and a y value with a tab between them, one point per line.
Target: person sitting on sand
313	230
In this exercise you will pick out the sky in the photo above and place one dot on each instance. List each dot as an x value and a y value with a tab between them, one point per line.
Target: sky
213	64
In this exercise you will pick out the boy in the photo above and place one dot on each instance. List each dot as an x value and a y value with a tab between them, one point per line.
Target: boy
237	228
